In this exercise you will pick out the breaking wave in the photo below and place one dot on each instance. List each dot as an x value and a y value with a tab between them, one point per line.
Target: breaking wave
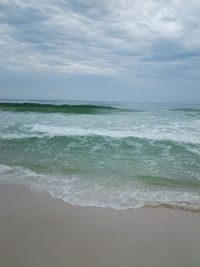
51	108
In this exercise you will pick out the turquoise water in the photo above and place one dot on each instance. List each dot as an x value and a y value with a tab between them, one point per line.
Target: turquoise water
115	155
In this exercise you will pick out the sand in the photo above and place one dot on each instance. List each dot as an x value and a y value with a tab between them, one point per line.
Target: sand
37	230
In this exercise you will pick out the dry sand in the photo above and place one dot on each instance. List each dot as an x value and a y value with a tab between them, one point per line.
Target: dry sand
39	231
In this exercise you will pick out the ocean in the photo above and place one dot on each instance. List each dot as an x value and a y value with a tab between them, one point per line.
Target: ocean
115	155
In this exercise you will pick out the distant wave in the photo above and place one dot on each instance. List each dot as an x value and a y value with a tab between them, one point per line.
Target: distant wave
51	108
187	109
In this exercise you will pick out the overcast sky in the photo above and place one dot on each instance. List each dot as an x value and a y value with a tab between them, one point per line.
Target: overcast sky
131	50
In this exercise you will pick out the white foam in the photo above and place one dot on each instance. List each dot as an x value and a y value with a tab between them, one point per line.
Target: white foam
5	168
17	136
151	125
194	150
90	192
155	133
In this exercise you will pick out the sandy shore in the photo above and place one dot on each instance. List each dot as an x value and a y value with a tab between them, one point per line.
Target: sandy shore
38	231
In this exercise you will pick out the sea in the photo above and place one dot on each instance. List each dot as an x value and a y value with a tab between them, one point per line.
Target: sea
103	154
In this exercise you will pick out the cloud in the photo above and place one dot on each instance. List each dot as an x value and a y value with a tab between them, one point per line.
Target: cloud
109	38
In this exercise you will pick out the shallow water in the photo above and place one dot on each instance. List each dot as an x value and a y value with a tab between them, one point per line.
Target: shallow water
116	155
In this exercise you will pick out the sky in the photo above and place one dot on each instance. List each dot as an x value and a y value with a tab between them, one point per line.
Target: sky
113	50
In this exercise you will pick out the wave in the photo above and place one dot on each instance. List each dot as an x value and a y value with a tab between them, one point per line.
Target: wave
197	110
47	131
51	108
89	192
151	134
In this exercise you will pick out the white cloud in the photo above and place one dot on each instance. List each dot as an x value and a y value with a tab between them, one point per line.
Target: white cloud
107	38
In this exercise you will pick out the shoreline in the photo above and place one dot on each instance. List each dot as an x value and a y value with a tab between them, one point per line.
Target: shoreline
39	230
182	206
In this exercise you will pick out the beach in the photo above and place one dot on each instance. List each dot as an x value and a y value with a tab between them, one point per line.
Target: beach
38	230
99	133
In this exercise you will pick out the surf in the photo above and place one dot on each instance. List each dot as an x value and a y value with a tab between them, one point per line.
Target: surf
56	108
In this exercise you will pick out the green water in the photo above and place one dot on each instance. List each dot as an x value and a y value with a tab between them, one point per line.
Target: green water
108	155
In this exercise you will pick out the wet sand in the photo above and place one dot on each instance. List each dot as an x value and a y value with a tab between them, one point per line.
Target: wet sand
37	230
